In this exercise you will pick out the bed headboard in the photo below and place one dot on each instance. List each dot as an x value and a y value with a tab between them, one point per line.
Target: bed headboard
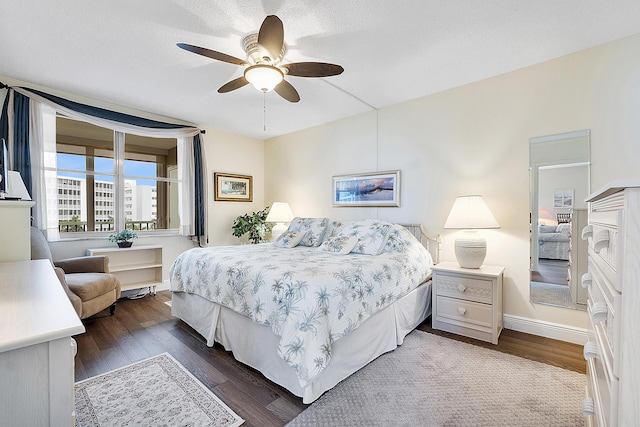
431	243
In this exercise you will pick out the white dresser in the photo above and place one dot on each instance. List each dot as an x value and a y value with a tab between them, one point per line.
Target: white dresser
37	322
613	283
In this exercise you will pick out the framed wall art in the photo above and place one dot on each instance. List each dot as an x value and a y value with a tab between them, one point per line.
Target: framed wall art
376	189
563	198
233	188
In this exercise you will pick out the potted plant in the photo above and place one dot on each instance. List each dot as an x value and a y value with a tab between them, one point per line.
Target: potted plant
254	224
123	238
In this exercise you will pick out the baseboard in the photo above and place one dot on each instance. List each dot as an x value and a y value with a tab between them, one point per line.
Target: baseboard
165	286
546	329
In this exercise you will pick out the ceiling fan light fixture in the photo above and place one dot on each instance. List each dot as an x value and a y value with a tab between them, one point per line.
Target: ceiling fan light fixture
263	77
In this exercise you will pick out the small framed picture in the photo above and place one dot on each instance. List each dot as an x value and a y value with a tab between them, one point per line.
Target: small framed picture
376	189
233	188
563	198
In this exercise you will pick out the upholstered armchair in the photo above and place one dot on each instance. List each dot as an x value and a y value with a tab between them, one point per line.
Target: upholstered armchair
86	280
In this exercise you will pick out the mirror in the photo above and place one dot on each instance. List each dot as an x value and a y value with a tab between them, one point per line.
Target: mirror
559	172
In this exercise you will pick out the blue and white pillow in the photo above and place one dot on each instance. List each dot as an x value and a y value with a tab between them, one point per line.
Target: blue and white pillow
289	239
398	239
371	235
339	245
313	227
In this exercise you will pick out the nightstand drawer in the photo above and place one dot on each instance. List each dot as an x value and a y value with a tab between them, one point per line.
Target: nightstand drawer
467	288
470	313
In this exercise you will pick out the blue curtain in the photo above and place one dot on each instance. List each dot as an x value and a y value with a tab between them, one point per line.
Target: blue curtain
21	157
106	114
199	189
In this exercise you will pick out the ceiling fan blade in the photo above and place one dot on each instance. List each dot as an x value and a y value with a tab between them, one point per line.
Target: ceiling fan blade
271	36
313	69
233	85
212	54
288	92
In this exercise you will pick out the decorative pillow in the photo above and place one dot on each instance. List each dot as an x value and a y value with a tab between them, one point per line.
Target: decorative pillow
289	239
313	227
398	239
331	230
548	228
371	234
339	245
564	228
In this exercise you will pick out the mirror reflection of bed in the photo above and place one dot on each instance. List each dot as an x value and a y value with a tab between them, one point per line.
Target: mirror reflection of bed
559	184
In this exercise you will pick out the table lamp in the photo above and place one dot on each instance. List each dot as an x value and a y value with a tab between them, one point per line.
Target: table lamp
470	213
279	213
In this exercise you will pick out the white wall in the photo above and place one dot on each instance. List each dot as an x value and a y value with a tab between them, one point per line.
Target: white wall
474	140
231	153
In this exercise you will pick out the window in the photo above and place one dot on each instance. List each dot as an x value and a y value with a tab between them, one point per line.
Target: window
110	179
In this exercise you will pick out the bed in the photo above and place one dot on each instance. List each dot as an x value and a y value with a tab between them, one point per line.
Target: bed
316	305
553	241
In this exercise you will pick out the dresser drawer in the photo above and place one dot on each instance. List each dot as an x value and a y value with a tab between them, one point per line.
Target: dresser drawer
467	288
604	313
605	384
472	314
606	245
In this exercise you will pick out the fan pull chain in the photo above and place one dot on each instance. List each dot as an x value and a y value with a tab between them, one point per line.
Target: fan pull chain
264	111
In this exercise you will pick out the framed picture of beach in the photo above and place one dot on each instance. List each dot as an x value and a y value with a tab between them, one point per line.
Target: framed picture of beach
375	189
233	188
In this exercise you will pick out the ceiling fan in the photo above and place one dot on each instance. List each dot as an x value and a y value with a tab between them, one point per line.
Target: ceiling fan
265	51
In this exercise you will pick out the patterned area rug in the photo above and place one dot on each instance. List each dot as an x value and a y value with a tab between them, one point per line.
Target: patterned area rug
435	381
154	392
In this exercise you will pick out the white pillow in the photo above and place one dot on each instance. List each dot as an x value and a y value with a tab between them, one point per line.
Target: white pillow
339	245
371	235
289	239
314	227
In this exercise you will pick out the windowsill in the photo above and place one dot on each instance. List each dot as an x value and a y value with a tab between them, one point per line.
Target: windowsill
105	235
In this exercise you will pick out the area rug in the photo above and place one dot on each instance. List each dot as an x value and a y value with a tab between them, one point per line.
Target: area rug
435	381
157	391
552	294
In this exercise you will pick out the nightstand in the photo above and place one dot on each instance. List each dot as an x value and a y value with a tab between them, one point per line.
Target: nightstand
468	301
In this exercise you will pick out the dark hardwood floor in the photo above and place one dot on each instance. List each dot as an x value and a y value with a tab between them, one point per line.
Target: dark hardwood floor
144	327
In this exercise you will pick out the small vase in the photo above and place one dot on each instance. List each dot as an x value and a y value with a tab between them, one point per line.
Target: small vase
124	244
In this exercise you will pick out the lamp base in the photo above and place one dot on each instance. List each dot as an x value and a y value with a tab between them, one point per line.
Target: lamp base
471	251
277	230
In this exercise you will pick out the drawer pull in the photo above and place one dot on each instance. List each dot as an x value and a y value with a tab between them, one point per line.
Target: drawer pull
586	280
600	240
590	350
462	311
599	312
588	408
462	287
587	232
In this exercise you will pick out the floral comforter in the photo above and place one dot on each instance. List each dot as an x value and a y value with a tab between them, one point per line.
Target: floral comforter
308	297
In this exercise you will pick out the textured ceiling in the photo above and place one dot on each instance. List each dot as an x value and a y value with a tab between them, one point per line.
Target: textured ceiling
124	51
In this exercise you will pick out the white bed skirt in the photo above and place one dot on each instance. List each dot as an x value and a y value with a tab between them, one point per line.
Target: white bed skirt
256	345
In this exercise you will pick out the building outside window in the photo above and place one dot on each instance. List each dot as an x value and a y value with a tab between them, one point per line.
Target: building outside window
104	177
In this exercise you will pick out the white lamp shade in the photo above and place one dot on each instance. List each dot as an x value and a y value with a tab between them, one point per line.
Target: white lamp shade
279	213
263	77
470	213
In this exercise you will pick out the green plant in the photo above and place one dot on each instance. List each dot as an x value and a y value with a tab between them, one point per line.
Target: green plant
123	236
254	224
